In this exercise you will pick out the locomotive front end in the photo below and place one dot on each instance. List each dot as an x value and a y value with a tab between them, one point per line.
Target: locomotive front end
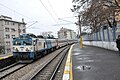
23	48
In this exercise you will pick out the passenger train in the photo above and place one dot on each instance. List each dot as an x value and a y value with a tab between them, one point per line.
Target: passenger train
27	47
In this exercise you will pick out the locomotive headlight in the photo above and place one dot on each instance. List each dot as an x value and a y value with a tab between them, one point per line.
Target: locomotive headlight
16	49
27	49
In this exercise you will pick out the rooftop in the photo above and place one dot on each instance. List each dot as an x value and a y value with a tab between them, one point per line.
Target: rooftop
6	18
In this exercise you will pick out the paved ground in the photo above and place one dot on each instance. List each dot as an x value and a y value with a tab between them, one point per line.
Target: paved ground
92	63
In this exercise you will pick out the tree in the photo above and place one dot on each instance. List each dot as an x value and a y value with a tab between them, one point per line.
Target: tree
98	12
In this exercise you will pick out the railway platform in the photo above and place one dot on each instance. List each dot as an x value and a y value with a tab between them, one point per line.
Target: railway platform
5	56
92	63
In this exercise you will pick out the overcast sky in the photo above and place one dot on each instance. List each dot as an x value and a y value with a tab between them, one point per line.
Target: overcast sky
46	12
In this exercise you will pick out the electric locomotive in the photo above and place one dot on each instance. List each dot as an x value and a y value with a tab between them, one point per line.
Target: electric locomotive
27	48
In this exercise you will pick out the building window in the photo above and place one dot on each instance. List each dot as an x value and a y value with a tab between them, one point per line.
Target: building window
7	36
24	31
12	30
12	23
8	43
19	24
8	50
6	22
13	36
19	30
7	29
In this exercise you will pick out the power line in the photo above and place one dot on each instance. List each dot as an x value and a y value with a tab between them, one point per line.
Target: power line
32	24
18	13
52	8
63	24
15	11
66	20
67	17
48	11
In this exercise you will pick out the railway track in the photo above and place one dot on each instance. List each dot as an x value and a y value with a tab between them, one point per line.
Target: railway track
46	65
10	69
49	70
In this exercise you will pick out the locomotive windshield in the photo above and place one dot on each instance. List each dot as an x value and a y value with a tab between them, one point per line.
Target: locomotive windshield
24	39
22	42
24	36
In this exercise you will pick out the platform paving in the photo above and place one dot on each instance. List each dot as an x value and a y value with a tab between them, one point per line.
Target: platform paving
93	63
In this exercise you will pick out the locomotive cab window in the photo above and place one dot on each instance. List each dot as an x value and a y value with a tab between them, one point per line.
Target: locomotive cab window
27	43
16	43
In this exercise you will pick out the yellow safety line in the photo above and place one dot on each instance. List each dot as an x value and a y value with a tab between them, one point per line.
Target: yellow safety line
1	58
68	66
71	75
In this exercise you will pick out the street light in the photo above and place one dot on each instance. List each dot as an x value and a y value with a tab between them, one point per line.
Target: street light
79	24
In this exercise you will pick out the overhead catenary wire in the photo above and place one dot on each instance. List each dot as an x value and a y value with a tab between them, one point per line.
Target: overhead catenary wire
60	18
21	15
32	24
15	11
66	20
48	11
53	9
63	24
31	18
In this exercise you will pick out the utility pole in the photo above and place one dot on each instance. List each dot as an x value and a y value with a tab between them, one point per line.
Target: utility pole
79	24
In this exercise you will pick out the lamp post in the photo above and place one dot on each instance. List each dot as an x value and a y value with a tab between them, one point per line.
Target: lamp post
79	24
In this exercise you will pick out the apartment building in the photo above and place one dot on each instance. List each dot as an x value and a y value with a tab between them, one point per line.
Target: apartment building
9	29
65	33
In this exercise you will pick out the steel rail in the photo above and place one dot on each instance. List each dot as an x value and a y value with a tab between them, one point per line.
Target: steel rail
37	72
8	67
3	74
57	66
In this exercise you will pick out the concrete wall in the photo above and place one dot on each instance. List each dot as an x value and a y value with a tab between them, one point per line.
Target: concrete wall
102	44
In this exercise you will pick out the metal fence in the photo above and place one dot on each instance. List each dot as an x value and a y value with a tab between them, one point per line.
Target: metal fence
105	34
